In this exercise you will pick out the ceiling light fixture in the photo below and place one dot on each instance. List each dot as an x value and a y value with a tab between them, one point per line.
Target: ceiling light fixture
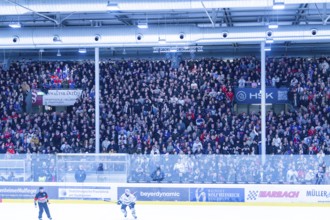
268	48
203	25
112	6
269	41
15	25
82	50
278	5
142	25
178	49
57	39
273	26
161	41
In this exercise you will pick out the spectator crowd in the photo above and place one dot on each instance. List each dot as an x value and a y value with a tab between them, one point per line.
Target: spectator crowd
149	107
295	169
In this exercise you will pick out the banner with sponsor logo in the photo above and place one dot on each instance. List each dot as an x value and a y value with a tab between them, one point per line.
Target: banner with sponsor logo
288	193
217	195
61	97
58	192
56	97
250	193
86	193
253	95
36	97
157	193
25	192
320	194
273	193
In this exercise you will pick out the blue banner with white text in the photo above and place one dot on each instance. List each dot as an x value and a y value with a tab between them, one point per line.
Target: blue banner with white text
217	195
253	95
157	193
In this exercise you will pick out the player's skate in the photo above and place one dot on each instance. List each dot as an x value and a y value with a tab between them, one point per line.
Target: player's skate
133	214
125	214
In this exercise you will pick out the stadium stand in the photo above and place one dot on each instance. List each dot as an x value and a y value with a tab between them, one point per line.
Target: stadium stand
149	107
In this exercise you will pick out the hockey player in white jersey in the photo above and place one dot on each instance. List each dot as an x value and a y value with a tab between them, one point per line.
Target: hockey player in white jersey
127	199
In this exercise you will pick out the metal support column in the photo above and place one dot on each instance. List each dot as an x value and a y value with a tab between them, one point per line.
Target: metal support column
263	102
97	100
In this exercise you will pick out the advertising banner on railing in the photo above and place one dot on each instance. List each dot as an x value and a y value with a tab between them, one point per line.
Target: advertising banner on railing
157	193
56	97
320	194
61	97
92	193
36	97
250	193
253	95
255	193
59	192
217	195
25	192
288	193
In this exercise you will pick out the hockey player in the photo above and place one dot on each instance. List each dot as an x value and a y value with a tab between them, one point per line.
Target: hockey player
42	199
127	199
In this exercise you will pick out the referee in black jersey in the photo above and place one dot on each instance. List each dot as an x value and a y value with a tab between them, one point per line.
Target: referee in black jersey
42	199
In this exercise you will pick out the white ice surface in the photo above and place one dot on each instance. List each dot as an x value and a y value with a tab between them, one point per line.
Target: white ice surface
16	211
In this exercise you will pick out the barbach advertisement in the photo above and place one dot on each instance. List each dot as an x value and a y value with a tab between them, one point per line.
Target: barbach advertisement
288	193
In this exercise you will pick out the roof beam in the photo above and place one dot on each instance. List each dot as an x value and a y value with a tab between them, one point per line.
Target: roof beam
208	15
215	15
142	6
324	10
31	10
300	14
123	18
325	16
227	17
229	22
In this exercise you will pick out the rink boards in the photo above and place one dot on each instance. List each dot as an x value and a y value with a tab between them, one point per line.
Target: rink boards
208	194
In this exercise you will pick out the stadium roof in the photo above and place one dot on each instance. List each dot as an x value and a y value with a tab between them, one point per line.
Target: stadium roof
224	13
230	25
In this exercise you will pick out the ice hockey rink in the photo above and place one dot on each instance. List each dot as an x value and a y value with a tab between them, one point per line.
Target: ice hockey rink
102	211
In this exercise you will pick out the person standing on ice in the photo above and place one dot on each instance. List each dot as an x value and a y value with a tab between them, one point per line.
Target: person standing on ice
42	199
127	199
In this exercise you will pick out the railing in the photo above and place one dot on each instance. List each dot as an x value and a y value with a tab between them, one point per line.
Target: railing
64	168
295	169
228	169
98	168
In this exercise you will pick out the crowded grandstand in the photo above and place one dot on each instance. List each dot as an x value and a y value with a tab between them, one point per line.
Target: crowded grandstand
149	108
